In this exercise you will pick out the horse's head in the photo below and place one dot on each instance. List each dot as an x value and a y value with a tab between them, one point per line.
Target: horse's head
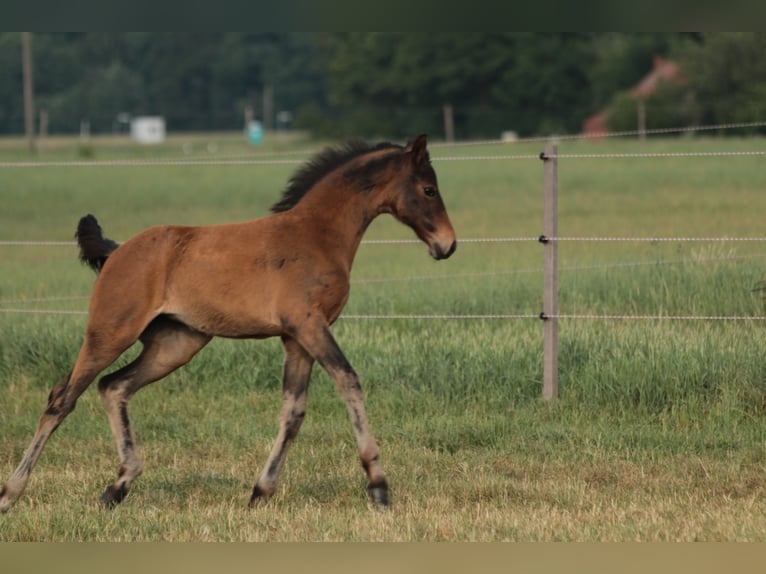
419	203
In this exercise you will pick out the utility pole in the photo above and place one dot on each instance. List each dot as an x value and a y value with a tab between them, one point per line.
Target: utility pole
29	96
268	107
449	123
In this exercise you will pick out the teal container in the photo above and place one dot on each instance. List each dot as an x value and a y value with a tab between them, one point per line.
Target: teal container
255	132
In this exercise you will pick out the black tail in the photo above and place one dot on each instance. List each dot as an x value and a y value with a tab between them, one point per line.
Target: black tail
94	247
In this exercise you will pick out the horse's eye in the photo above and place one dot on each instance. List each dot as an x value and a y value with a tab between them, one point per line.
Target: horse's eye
430	191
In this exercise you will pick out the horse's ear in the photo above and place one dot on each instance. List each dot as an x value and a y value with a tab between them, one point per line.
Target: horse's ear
418	149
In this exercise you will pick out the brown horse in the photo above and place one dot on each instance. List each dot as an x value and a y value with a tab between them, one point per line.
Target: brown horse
174	288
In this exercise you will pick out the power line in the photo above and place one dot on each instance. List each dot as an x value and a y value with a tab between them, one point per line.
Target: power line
600	135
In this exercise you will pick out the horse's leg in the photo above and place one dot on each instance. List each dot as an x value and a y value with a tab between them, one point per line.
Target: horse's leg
297	372
168	345
320	344
95	355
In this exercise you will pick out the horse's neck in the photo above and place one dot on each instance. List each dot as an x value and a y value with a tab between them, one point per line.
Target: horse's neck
339	215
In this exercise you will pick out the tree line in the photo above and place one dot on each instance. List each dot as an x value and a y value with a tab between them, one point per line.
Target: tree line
381	83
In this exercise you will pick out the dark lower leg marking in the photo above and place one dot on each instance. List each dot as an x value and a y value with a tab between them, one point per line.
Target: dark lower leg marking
265	486
378	492
127	440
57	396
113	495
258	495
294	424
377	487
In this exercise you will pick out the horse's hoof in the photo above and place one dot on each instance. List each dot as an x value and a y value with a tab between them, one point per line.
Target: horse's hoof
379	493
259	496
113	495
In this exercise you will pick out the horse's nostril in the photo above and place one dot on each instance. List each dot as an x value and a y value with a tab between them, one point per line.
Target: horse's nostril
452	249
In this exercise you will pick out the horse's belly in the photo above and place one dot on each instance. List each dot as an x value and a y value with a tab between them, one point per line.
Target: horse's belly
220	323
226	313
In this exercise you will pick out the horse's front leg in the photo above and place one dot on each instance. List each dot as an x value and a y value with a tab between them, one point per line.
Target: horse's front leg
297	372
320	343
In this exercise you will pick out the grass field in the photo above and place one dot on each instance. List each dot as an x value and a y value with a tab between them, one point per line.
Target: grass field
658	434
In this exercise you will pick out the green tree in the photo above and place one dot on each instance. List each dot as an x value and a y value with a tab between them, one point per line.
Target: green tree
381	83
723	79
530	82
11	104
196	80
727	76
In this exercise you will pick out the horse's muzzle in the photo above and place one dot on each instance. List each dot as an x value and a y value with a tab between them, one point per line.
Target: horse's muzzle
439	251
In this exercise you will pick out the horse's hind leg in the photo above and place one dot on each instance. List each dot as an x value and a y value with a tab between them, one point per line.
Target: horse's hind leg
168	345
61	402
297	372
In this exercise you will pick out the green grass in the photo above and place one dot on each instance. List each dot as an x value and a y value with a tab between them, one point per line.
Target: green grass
658	433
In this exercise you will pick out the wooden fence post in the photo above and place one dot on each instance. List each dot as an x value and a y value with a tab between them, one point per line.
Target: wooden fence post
29	90
550	272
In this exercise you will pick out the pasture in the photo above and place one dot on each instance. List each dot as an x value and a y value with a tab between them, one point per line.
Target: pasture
658	434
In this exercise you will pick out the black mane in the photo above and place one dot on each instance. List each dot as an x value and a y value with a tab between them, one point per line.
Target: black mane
320	165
